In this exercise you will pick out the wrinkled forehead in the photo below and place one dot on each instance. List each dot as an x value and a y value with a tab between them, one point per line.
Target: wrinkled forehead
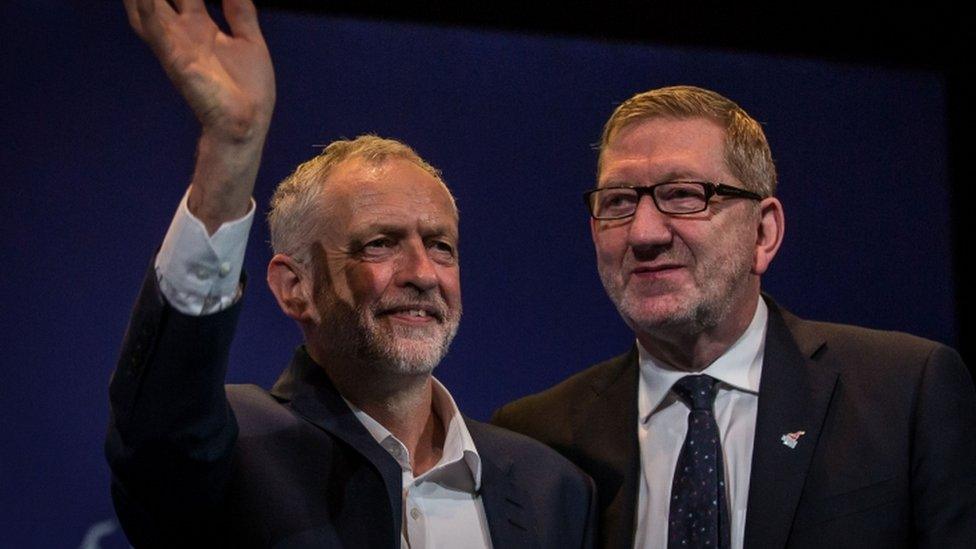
663	148
391	190
680	127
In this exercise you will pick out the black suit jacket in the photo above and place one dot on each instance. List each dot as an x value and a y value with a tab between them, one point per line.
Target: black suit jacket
198	464
888	458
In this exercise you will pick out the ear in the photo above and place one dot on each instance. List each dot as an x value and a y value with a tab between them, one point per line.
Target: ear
291	284
769	234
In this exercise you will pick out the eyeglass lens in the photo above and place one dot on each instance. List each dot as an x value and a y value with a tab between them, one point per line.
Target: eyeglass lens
676	197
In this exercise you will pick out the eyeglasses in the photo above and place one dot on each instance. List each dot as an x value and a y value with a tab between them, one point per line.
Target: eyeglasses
671	197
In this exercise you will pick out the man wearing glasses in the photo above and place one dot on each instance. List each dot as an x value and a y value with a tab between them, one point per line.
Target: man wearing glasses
731	422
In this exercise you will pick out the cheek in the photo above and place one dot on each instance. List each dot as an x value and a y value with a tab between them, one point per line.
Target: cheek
724	249
610	245
450	284
367	281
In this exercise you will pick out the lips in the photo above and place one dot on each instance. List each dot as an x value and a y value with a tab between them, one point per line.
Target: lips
419	311
658	269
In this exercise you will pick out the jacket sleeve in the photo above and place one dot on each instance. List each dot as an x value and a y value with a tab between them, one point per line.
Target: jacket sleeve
943	457
171	430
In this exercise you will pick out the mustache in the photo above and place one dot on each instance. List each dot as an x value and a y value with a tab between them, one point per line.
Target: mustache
659	252
433	304
659	257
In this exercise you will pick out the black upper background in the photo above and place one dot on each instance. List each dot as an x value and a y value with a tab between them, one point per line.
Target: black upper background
932	37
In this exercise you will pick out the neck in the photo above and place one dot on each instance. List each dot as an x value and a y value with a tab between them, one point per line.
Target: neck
693	350
402	403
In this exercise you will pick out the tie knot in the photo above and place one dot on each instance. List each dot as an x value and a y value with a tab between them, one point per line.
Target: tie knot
696	391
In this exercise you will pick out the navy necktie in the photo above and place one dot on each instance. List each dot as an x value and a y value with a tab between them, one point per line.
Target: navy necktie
699	515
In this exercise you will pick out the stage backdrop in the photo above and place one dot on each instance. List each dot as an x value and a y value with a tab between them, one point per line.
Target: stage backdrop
97	149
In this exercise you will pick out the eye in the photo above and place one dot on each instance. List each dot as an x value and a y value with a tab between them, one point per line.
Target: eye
614	199
615	202
681	191
441	250
379	243
378	248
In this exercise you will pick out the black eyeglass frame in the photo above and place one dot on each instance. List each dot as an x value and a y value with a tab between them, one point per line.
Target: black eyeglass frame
710	189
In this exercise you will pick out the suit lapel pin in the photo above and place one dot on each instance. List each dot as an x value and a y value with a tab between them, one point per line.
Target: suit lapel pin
790	439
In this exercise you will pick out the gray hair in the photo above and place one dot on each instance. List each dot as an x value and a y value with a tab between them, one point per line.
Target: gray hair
296	215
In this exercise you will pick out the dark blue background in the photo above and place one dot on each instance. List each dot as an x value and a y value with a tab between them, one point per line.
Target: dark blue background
97	150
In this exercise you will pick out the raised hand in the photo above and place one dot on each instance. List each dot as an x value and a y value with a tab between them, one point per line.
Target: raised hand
228	81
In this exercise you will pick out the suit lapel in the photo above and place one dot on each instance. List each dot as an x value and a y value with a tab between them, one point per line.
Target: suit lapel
305	385
794	394
606	428
510	521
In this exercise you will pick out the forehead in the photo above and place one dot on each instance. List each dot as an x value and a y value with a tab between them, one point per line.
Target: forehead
658	149
393	191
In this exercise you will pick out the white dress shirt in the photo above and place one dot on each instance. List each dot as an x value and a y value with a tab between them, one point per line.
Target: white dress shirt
199	274
442	507
663	423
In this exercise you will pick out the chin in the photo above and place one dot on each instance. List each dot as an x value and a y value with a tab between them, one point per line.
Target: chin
411	355
649	315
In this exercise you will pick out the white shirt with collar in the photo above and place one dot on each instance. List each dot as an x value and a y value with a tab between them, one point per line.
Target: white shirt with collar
442	507
662	424
199	274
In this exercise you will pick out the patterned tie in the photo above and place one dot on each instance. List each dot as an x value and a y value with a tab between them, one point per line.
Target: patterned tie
699	515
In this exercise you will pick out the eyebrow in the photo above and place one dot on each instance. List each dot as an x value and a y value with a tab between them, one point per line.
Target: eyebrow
426	230
673	175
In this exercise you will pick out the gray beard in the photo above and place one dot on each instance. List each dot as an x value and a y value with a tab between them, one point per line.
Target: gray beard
402	351
709	310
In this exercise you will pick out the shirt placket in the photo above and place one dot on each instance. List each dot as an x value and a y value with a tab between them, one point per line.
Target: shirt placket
415	517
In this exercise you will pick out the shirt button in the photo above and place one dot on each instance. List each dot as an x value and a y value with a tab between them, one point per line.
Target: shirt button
224	269
415	513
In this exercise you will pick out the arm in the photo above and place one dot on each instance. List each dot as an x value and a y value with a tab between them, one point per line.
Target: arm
172	432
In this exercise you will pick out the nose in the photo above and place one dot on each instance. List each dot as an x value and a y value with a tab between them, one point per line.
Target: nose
416	267
648	227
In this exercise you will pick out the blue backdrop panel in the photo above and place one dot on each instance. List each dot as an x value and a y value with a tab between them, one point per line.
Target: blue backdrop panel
97	150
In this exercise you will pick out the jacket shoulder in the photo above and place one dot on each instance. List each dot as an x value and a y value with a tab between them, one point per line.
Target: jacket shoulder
547	415
893	349
867	354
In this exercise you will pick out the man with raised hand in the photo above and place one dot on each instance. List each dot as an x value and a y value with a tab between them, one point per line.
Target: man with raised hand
356	445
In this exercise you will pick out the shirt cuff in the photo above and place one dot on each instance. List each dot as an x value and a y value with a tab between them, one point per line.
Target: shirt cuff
199	273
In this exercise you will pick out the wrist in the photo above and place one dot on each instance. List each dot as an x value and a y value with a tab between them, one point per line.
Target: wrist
223	179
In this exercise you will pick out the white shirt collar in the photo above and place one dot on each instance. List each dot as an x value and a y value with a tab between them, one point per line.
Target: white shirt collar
458	448
739	367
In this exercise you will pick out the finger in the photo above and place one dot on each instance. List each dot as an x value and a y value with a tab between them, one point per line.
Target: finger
152	14
133	13
189	6
242	18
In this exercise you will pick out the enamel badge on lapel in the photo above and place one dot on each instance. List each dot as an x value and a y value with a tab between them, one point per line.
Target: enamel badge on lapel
790	439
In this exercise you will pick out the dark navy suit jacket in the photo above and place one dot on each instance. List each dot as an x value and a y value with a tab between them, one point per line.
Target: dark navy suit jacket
196	463
888	458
